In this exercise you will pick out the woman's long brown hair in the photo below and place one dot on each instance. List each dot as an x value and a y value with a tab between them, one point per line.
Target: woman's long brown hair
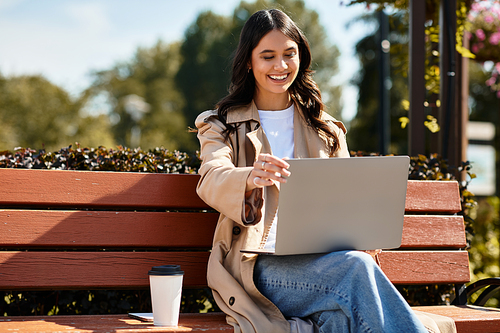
304	91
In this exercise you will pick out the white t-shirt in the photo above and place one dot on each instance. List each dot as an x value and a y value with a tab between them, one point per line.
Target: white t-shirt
278	126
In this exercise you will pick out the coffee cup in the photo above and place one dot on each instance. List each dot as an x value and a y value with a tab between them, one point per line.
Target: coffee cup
166	289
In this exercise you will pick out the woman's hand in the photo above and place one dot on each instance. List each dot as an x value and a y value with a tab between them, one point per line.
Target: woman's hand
266	169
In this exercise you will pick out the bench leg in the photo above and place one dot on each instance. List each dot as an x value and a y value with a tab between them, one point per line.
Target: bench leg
460	295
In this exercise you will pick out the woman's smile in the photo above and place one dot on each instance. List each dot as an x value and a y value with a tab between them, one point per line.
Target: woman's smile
279	77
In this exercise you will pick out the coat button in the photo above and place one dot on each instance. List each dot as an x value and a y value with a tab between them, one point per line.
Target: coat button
231	301
236	231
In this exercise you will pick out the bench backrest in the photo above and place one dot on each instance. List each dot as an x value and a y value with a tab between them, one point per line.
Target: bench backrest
91	230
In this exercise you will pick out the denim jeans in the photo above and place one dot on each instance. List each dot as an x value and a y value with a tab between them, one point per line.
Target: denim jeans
340	291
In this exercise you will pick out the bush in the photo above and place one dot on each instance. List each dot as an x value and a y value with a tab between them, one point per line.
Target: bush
158	160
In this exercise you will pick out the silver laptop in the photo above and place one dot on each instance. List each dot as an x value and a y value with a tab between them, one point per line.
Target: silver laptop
341	204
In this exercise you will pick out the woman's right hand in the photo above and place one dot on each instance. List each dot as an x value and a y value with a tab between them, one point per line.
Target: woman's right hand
266	169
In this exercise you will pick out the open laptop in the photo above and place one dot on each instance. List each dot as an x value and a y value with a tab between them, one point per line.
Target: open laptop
341	204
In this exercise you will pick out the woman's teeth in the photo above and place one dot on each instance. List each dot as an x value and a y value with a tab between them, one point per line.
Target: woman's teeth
278	77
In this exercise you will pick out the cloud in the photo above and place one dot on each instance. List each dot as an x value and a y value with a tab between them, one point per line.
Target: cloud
91	17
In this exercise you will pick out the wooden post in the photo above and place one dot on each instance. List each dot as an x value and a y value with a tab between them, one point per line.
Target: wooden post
416	133
453	96
384	119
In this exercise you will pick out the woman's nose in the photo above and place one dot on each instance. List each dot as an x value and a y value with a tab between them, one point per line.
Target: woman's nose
281	64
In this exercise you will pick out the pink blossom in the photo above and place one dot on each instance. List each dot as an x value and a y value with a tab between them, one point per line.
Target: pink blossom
490	81
476	7
495	38
488	19
497	66
475	48
480	34
495	10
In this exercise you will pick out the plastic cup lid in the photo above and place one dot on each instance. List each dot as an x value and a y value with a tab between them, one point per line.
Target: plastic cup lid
166	270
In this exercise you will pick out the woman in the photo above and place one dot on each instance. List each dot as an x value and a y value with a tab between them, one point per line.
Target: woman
273	111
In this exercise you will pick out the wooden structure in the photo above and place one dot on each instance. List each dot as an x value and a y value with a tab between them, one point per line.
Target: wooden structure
453	111
88	230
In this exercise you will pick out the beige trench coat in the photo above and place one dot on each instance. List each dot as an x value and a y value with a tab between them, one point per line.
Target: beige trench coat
224	171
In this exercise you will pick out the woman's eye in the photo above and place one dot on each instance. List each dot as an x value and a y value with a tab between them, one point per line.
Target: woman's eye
291	55
268	57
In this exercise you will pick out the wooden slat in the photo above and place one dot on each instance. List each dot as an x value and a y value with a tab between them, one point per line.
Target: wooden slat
94	270
46	228
468	318
78	189
426	267
433	231
88	270
432	196
188	322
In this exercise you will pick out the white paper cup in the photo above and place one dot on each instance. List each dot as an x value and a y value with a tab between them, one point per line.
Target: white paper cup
166	289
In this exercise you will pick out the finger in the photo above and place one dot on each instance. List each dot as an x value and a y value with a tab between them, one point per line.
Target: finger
269	171
268	158
269	176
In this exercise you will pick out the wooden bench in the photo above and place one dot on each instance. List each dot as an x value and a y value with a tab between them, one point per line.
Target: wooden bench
65	230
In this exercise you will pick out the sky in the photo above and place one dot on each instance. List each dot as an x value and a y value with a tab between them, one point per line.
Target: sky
65	40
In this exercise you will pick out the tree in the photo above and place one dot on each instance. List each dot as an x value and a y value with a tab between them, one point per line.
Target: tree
36	113
204	75
145	102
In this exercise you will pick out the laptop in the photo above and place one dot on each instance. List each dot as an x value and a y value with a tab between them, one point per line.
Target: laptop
338	204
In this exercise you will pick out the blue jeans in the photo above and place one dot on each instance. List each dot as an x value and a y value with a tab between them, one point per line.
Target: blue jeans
340	291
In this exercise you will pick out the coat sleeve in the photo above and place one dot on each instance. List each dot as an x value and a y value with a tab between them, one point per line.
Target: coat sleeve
339	129
222	184
343	150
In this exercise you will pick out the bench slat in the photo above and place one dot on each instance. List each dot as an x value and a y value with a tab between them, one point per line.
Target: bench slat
57	188
102	229
426	267
468	318
46	228
81	189
432	196
88	270
94	270
188	322
433	231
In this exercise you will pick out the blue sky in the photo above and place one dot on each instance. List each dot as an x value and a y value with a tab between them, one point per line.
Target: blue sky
66	39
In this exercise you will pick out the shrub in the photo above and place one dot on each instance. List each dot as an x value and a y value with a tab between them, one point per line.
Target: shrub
158	160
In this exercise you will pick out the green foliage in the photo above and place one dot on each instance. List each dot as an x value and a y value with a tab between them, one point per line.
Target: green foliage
149	77
485	250
158	160
92	302
31	108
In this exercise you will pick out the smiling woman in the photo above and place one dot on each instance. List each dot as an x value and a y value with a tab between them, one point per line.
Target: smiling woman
274	110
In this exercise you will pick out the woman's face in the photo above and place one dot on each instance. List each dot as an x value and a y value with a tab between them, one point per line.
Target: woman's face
275	64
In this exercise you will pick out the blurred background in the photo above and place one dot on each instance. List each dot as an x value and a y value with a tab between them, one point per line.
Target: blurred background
136	73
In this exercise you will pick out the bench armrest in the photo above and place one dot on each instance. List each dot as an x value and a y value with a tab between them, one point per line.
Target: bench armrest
492	284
